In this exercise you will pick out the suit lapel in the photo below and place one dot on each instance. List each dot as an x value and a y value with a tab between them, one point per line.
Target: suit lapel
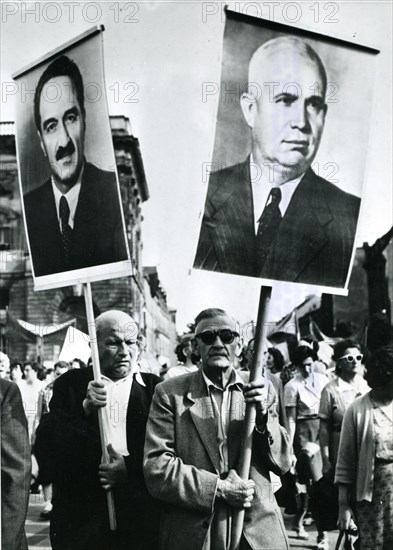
47	223
301	235
86	210
202	414
137	410
231	225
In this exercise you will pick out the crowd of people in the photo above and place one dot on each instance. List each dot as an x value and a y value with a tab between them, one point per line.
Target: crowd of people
173	443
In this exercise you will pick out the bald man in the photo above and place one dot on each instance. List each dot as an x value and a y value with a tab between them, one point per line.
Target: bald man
272	216
79	518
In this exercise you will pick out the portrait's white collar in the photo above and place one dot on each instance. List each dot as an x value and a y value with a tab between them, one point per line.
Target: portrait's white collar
261	189
72	197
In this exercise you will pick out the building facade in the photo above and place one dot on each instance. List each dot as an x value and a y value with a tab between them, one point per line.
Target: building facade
160	321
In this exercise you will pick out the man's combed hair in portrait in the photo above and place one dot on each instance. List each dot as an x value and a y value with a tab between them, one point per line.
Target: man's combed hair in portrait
62	66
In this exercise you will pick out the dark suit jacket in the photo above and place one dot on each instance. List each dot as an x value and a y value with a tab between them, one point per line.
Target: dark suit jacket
80	519
182	464
15	467
97	236
314	241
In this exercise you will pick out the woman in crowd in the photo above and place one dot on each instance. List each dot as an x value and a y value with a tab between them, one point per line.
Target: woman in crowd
364	471
274	361
185	357
301	396
16	372
336	396
30	388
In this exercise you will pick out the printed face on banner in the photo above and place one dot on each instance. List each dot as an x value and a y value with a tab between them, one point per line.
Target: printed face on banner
71	195
62	132
286	122
283	195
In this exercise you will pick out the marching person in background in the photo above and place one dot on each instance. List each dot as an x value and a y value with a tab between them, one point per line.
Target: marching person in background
16	372
192	448
185	357
79	519
364	471
274	361
78	364
273	377
301	396
44	466
15	467
336	396
4	366
30	389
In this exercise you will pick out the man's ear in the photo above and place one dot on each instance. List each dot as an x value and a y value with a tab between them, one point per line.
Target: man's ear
239	347
41	143
248	104
195	349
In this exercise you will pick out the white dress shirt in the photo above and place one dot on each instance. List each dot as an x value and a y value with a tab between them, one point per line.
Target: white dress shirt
115	412
261	190
72	198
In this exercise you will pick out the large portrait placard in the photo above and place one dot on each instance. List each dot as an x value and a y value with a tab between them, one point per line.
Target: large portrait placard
71	196
289	160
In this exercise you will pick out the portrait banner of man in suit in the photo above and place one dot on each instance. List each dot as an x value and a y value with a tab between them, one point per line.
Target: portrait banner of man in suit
71	197
285	183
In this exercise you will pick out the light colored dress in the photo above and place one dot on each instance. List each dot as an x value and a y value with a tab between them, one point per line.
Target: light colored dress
304	394
375	518
335	399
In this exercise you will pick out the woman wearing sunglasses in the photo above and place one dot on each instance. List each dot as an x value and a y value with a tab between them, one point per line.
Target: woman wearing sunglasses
336	396
364	471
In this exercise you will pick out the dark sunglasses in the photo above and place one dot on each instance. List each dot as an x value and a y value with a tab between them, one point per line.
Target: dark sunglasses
352	358
208	337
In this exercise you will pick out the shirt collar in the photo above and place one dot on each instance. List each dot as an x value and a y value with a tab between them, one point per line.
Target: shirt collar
345	386
130	376
72	197
261	190
234	380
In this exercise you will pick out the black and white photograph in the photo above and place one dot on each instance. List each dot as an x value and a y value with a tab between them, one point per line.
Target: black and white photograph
196	284
272	210
71	197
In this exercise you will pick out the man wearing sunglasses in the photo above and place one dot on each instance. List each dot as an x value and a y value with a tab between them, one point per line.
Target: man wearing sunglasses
192	448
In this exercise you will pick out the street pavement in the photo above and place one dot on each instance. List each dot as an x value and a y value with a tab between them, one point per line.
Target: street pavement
37	530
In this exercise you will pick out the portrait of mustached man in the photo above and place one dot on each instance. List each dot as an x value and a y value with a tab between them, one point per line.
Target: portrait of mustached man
74	218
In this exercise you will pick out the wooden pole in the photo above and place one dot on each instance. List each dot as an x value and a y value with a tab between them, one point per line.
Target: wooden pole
250	414
97	376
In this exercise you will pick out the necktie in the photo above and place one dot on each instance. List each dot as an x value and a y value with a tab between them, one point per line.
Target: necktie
66	230
268	226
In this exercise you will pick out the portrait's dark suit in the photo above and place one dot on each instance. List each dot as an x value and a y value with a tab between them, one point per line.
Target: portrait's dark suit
182	463
313	243
79	519
15	467
97	236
